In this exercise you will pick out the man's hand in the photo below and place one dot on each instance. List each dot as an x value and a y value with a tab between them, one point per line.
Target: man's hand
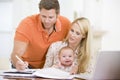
21	66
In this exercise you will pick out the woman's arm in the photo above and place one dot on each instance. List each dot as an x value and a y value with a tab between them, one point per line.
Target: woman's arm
49	57
74	69
52	54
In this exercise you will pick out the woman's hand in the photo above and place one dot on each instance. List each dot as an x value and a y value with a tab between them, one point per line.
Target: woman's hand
74	70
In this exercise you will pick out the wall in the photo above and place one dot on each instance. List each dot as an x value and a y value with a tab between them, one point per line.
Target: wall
103	14
111	23
6	33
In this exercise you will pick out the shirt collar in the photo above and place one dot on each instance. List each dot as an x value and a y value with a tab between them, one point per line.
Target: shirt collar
58	25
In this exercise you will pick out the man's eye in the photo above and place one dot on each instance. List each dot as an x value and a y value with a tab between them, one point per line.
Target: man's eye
50	17
43	16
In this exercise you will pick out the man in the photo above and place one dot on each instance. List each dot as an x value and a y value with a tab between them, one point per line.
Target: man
35	33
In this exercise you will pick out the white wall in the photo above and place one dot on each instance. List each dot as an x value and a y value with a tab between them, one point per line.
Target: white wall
6	18
5	28
92	9
22	9
103	14
6	33
111	23
65	8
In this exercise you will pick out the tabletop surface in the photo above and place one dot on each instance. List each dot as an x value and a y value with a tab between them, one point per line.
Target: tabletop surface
13	74
29	78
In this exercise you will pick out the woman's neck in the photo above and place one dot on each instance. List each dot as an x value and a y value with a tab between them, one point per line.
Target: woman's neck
73	46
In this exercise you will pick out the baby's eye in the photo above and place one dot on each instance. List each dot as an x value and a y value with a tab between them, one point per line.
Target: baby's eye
63	56
70	56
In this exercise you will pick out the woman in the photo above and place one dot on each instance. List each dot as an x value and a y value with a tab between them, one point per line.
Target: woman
79	39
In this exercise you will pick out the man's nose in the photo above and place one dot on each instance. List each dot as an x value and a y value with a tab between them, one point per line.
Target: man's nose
46	20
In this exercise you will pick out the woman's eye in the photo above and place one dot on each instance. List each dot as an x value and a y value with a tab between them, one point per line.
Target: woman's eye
77	33
72	30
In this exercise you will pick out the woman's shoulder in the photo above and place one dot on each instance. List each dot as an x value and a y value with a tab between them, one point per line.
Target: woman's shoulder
58	44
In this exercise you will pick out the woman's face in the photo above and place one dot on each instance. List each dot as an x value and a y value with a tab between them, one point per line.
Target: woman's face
75	36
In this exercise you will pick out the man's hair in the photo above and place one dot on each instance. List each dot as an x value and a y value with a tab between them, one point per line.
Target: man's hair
50	4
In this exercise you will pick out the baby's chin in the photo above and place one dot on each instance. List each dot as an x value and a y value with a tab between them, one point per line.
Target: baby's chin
67	64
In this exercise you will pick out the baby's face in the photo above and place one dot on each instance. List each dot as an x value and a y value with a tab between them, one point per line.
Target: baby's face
67	57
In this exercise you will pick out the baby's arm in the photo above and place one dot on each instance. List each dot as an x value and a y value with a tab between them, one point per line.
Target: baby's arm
57	65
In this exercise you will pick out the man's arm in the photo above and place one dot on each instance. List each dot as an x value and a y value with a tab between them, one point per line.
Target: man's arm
18	49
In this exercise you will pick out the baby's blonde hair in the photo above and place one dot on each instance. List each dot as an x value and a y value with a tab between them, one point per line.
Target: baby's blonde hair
64	48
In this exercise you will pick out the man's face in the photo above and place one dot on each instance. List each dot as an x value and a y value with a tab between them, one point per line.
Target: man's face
48	18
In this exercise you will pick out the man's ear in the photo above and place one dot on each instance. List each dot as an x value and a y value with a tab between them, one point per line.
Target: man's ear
58	14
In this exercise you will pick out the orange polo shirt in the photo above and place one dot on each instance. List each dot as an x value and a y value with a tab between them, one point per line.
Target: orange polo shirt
31	31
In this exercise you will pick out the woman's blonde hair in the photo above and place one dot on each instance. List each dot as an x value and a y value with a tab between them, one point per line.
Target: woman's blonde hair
85	45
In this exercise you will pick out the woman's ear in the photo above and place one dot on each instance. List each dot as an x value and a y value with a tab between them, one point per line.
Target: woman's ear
83	36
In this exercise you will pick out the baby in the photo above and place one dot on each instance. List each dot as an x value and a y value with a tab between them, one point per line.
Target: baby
66	60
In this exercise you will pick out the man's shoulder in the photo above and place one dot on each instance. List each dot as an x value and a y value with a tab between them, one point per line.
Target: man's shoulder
28	22
32	17
63	19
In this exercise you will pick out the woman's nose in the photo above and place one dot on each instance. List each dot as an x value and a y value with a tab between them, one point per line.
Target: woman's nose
73	34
